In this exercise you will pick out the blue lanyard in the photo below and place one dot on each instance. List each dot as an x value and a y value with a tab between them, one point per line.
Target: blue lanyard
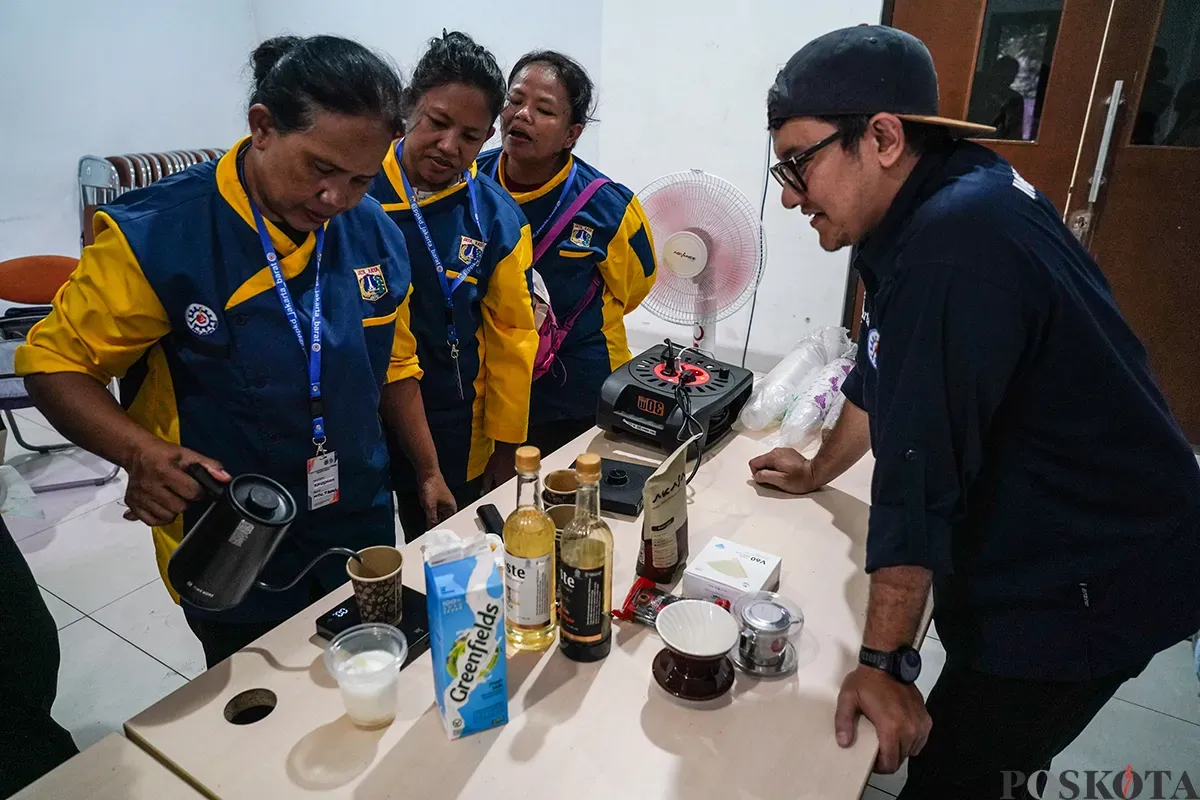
561	195
447	287
316	405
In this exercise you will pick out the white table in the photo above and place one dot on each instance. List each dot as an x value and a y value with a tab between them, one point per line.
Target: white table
111	769
603	730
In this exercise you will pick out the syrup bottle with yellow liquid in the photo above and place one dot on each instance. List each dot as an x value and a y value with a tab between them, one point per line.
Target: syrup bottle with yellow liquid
585	571
529	569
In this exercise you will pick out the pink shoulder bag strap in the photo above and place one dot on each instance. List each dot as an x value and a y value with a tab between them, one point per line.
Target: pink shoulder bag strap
552	334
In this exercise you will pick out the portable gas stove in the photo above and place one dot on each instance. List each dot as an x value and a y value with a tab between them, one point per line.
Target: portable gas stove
669	393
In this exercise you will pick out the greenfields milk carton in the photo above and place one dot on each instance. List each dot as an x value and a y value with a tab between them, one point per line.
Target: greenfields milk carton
464	587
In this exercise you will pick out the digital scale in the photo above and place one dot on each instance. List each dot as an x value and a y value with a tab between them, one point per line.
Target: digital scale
640	398
414	622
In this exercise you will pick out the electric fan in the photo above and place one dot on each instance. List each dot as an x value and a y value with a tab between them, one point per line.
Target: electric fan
710	250
709	247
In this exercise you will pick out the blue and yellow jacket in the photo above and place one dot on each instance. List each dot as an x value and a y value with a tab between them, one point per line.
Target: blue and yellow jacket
175	299
609	237
493	314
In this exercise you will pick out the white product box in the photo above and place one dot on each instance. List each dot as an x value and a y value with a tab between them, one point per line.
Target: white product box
726	570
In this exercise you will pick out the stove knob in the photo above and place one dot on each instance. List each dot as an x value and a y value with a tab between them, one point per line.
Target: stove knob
723	373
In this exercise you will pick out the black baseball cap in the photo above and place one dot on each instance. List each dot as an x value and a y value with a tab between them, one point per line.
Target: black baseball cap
868	69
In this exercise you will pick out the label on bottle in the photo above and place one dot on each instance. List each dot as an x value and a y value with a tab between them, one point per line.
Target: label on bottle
581	603
527	590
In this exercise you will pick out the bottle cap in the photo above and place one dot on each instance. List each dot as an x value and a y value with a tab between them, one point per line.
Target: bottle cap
529	459
587	467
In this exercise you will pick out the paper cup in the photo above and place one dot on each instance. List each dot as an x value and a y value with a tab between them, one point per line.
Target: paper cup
559	487
561	516
377	586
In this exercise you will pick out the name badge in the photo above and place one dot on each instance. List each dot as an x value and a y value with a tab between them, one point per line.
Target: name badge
323	481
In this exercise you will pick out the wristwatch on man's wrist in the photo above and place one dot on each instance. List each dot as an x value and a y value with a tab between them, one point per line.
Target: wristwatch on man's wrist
903	663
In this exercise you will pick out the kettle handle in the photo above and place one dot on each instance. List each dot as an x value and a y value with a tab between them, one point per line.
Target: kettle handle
333	551
201	475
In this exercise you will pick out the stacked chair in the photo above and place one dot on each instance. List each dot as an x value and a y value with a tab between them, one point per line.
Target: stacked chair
102	180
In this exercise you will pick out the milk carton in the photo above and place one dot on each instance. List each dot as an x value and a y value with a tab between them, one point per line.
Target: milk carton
464	588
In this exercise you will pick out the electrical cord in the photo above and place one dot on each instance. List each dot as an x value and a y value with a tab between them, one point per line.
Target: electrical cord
684	401
762	212
702	353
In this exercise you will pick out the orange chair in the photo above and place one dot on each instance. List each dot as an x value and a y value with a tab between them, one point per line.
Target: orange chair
33	281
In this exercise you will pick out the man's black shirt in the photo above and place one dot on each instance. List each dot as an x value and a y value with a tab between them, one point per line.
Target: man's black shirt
1024	452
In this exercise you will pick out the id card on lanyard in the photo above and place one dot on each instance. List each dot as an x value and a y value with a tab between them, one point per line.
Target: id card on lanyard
448	287
322	469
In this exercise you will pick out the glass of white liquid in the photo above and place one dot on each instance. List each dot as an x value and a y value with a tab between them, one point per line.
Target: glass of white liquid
365	661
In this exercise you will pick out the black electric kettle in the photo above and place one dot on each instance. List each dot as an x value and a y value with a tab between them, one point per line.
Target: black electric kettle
220	558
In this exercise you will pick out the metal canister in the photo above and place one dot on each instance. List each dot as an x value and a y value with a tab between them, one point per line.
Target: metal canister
767	621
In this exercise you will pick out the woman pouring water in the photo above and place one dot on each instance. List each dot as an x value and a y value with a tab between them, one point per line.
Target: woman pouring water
256	313
592	243
469	247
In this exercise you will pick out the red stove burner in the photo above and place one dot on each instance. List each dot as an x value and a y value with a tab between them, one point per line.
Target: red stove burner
701	375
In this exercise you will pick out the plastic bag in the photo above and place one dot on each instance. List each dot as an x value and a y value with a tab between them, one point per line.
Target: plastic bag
774	394
802	423
831	416
836	342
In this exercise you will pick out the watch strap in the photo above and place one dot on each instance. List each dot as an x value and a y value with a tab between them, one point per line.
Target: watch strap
892	662
875	658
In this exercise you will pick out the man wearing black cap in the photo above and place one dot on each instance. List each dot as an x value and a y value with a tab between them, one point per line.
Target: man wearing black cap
1026	465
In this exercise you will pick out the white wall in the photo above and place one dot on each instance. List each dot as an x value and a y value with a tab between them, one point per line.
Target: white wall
684	85
402	29
104	79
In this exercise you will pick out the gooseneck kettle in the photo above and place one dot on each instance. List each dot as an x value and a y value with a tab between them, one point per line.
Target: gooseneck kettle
221	557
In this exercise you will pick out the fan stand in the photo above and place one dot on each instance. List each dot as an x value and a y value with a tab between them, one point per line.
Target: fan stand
704	332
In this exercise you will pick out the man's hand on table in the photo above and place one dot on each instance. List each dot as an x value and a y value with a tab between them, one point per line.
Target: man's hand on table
897	711
784	468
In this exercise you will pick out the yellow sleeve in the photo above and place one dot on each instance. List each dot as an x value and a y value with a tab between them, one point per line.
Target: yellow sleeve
510	344
403	363
104	318
629	268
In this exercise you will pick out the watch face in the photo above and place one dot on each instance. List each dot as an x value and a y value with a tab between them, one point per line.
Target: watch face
909	664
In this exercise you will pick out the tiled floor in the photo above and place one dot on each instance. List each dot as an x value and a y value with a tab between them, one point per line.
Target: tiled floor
125	644
1152	723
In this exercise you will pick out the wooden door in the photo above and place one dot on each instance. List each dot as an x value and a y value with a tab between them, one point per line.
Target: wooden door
1144	228
1055	44
1143	222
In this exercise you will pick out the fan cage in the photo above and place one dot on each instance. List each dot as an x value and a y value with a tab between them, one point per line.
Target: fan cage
716	211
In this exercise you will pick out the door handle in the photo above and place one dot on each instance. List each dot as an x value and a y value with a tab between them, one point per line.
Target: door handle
1110	123
1080	221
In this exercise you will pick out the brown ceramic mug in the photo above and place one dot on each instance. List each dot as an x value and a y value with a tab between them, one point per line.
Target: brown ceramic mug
377	584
